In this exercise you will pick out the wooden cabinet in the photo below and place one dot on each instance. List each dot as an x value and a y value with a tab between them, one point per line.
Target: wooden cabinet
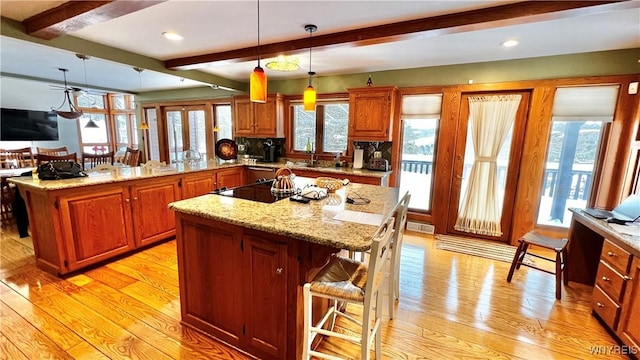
153	219
198	184
629	327
611	281
352	178
236	287
230	177
371	113
261	120
95	226
265	300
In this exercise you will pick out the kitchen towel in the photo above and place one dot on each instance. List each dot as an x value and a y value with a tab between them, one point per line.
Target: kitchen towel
358	155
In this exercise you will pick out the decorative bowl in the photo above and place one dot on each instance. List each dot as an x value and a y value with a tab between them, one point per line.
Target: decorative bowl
329	183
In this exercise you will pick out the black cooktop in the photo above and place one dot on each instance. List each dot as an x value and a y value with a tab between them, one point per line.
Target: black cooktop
259	191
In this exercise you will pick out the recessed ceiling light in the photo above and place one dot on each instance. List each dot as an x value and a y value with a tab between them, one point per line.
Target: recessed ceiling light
509	43
172	36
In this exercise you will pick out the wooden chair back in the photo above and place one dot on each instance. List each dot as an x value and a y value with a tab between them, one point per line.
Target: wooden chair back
42	158
131	157
90	161
18	158
53	151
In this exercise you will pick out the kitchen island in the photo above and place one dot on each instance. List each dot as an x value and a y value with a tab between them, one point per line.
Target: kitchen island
242	263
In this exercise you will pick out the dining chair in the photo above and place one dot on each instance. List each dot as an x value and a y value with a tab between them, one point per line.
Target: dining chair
131	157
42	158
18	158
53	151
346	281
6	202
400	217
91	160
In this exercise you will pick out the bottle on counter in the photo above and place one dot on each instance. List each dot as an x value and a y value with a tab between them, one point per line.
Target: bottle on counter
308	147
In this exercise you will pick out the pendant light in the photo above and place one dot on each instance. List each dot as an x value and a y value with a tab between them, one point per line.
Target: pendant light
310	93
90	124
258	79
73	113
139	70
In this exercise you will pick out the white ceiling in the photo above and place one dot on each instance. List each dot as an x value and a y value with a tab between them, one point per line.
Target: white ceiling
214	26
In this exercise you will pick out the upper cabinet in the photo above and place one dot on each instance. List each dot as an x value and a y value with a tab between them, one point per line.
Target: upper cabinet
260	120
371	112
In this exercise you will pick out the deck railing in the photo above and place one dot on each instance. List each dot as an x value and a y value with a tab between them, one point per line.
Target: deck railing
580	179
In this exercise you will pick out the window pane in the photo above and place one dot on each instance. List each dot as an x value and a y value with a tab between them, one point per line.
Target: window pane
336	126
122	135
418	152
223	121
134	126
197	134
90	101
304	128
119	102
569	168
174	129
93	135
154	141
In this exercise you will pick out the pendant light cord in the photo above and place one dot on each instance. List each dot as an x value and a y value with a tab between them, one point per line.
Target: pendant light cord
258	33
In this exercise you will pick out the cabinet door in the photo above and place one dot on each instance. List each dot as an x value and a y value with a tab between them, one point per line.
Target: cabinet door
230	178
243	123
96	226
196	185
267	118
629	327
153	219
210	260
265	297
370	115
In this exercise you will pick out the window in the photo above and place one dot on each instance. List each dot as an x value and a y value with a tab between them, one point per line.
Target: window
223	122
325	129
579	116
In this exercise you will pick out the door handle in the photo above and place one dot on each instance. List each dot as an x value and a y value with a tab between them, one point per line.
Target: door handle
279	271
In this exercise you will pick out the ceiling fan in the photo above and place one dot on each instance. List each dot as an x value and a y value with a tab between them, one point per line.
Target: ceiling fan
78	91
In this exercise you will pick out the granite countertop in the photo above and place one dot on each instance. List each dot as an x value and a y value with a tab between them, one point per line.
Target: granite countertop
121	174
313	222
334	170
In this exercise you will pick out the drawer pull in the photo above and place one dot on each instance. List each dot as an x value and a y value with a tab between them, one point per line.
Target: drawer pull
601	305
611	254
604	278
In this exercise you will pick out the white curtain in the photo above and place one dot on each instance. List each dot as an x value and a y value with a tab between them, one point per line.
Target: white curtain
490	119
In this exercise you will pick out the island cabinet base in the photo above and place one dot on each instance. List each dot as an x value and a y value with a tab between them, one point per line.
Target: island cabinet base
244	286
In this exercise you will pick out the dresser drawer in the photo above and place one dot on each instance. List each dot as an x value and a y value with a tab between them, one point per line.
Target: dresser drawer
610	281
618	258
606	308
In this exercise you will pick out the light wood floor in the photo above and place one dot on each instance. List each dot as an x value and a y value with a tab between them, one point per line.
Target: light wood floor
452	306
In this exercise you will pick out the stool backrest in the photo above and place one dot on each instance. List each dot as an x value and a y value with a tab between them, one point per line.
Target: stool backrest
42	158
400	216
379	254
91	160
131	157
19	158
53	151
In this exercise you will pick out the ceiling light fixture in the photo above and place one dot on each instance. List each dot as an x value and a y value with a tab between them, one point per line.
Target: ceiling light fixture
170	35
283	63
509	43
309	96
73	113
139	70
258	79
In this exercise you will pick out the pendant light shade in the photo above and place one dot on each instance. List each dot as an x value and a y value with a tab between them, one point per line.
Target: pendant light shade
258	79
91	124
258	85
73	113
309	96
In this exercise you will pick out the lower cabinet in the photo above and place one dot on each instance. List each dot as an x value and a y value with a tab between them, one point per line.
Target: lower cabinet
629	326
230	177
233	285
153	219
197	184
95	226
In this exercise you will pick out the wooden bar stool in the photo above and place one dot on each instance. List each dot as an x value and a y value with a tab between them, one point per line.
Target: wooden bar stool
559	246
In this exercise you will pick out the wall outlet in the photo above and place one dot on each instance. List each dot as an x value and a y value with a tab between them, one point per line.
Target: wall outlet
633	88
420	227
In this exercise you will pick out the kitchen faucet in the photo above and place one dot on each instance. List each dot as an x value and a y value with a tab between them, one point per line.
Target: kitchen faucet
313	160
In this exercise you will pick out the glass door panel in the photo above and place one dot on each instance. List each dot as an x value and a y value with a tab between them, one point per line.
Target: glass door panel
174	134
196	132
418	150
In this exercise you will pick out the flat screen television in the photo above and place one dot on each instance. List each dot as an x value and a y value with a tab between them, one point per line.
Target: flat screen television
16	124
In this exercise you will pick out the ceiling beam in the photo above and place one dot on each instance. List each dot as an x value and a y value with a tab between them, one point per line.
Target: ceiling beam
498	16
75	15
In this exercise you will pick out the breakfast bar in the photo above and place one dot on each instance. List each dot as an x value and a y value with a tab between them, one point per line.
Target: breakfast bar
242	263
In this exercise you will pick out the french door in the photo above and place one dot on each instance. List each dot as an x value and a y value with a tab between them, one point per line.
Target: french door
508	166
185	129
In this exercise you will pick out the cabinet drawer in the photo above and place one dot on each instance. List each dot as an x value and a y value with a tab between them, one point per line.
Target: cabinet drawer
616	257
610	281
606	308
